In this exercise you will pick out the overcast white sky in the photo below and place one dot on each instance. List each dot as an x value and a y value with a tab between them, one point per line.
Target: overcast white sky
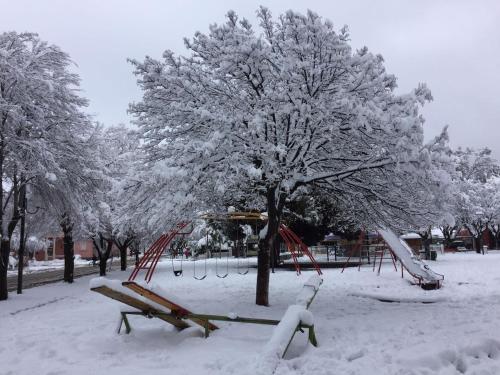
453	46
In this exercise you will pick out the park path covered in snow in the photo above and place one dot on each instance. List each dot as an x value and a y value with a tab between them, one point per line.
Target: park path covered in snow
67	329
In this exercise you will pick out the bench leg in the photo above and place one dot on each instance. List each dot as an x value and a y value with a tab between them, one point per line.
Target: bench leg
312	336
124	319
207	328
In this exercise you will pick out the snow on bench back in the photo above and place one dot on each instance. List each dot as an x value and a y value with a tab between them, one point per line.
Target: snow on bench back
283	333
274	349
308	291
405	254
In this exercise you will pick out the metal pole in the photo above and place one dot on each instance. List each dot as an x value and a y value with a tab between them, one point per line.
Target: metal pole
273	250
20	264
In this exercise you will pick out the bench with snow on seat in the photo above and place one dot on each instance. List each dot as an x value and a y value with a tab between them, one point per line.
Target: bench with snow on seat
296	318
153	302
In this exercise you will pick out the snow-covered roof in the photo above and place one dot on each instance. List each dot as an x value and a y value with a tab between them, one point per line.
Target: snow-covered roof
411	236
437	233
331	237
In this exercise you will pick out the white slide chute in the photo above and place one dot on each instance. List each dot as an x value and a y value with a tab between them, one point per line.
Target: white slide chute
413	264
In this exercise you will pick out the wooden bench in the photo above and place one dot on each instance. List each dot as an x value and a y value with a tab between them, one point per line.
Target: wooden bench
144	308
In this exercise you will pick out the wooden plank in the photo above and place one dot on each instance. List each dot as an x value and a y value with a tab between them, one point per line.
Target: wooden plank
178	310
140	305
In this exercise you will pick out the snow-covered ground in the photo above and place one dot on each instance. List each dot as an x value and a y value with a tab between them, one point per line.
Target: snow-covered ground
46	265
67	329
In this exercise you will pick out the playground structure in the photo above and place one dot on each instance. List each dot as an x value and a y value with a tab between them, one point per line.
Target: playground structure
153	254
152	302
421	272
387	243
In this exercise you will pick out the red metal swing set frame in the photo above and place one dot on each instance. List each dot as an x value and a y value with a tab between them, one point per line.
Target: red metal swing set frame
153	254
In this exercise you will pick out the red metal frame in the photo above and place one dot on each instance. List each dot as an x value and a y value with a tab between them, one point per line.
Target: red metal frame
146	257
294	243
152	256
381	254
303	247
291	247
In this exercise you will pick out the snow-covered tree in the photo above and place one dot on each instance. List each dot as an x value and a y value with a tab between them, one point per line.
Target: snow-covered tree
267	114
474	198
478	207
494	224
479	165
98	226
120	150
40	122
107	220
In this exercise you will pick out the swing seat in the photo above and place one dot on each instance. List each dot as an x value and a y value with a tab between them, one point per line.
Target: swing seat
178	272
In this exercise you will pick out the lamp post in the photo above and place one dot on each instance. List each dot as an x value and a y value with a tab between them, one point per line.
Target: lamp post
22	241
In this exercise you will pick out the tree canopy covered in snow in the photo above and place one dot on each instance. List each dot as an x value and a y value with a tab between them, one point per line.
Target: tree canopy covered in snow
43	132
262	116
475	198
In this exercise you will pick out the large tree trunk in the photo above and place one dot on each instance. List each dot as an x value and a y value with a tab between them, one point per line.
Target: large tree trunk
427	240
102	265
123	244
4	249
69	257
276	253
103	253
69	252
123	257
477	244
5	246
447	234
4	265
135	251
265	247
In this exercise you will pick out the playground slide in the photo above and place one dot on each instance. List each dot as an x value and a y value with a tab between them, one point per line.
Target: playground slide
412	263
